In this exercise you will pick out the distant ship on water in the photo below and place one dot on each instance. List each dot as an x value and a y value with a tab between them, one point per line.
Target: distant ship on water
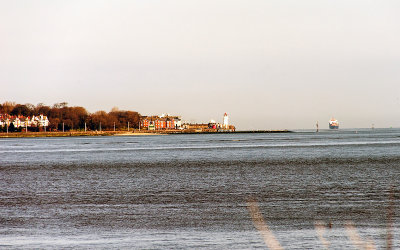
333	124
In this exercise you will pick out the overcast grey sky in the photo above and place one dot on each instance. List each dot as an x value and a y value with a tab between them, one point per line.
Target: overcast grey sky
270	64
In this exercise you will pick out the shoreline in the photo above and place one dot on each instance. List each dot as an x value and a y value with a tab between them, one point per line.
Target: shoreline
126	133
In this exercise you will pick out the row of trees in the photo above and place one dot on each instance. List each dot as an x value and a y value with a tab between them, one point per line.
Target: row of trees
74	118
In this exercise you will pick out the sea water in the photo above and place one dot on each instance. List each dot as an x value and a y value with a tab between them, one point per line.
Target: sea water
193	191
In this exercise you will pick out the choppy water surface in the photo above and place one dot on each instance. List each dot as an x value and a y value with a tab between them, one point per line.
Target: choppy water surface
191	191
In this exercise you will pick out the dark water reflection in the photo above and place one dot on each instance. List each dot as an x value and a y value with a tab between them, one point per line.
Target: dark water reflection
191	191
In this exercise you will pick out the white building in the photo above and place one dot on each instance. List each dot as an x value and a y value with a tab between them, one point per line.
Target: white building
4	121
41	121
17	123
34	121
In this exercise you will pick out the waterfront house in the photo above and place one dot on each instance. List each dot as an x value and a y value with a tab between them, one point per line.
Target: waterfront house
22	121
162	122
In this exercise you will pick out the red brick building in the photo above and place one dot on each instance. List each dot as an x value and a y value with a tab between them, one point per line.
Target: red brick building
160	122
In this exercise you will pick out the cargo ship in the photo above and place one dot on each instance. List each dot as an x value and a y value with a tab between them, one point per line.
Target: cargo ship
333	124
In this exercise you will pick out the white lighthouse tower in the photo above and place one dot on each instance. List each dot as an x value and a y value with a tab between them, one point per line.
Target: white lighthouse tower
225	124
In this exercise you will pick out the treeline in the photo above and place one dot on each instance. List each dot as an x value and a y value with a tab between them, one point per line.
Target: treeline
74	118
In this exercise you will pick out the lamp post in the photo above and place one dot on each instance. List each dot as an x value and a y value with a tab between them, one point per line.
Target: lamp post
128	126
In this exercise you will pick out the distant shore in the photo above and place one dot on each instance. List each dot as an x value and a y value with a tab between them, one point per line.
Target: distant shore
124	133
58	134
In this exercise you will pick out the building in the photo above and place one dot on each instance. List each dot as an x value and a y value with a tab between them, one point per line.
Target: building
40	121
168	122
212	126
23	122
162	122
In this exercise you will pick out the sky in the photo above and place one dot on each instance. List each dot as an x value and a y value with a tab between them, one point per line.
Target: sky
270	64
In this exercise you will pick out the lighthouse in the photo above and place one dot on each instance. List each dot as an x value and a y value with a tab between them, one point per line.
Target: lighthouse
225	124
